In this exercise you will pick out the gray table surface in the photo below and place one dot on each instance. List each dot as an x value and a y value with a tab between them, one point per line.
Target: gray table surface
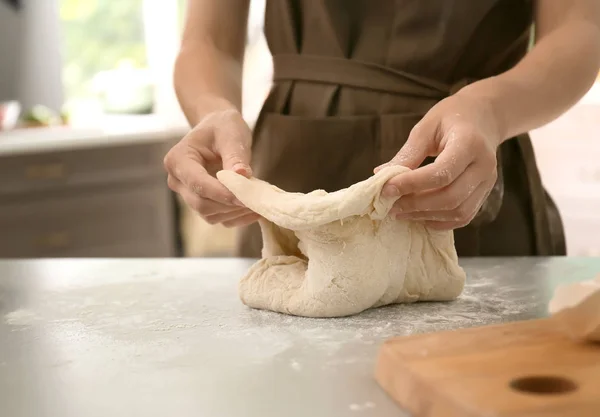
115	338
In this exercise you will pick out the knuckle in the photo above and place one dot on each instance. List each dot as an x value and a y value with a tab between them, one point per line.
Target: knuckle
172	183
443	177
417	129
197	189
169	162
426	125
463	214
405	186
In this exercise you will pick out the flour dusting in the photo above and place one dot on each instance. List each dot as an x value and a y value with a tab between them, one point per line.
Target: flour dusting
170	332
295	365
181	319
361	407
21	317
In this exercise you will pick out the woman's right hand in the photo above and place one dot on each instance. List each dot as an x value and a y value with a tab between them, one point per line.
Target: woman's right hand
222	140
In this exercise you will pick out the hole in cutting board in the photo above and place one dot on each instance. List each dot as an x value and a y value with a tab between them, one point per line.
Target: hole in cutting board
544	385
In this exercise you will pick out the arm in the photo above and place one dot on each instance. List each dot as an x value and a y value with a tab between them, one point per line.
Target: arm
208	69
464	130
208	84
556	73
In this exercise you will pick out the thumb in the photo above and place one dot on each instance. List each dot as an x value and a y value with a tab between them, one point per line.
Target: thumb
415	150
236	154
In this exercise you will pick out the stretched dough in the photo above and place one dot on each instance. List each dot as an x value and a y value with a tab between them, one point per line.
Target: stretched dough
576	307
337	254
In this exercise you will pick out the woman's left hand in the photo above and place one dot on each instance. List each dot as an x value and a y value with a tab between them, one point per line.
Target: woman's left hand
463	135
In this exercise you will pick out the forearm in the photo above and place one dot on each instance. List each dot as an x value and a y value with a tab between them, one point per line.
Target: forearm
207	80
548	81
208	70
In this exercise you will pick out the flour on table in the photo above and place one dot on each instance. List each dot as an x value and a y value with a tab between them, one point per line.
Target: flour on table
295	365
362	407
21	317
338	254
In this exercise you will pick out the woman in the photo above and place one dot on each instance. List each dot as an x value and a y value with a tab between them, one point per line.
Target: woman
360	83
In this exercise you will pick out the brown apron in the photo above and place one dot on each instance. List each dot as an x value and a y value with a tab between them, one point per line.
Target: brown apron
352	78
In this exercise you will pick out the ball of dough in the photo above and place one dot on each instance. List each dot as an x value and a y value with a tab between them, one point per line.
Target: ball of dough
337	254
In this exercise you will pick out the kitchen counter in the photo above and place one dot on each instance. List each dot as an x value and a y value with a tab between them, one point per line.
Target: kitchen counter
116	131
169	337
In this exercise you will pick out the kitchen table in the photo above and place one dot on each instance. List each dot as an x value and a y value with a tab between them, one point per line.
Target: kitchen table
169	337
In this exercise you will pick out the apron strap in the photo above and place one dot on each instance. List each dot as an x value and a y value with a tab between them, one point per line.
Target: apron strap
357	74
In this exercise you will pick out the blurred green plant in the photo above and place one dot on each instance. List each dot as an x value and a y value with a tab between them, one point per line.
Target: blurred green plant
97	35
182	6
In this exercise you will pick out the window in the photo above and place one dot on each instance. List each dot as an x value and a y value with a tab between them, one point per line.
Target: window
118	57
105	65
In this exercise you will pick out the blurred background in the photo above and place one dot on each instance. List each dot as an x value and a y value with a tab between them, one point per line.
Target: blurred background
87	112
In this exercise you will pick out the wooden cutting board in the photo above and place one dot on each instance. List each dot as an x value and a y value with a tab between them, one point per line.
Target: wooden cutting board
517	369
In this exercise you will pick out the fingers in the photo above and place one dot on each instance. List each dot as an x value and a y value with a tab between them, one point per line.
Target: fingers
217	213
416	148
211	211
444	199
195	178
236	157
444	226
228	216
242	221
233	144
446	168
200	204
221	140
447	193
455	218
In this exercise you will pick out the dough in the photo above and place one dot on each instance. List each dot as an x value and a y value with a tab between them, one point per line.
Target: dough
576	307
337	254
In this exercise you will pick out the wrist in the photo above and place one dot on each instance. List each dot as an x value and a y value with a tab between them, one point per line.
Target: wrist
488	101
209	104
